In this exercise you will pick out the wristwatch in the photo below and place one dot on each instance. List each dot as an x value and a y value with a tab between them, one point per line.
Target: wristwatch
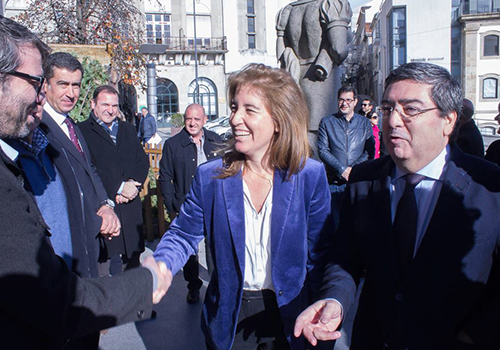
109	203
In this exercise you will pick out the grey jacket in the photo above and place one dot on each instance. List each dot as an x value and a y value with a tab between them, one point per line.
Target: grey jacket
343	144
147	128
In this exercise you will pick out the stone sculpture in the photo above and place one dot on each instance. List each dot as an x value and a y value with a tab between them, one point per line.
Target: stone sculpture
312	43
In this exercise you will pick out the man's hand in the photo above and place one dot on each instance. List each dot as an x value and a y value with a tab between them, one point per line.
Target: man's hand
319	321
110	226
164	277
119	199
346	173
130	190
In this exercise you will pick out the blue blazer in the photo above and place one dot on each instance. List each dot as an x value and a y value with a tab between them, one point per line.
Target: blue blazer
299	241
452	284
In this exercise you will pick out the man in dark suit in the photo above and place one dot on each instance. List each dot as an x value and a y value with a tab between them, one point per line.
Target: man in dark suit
122	166
422	225
147	126
182	154
469	137
42	303
63	73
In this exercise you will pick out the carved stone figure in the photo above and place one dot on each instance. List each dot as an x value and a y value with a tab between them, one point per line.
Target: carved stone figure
312	43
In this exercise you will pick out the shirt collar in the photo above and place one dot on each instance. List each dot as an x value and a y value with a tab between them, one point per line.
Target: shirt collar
58	117
202	137
433	170
38	143
8	150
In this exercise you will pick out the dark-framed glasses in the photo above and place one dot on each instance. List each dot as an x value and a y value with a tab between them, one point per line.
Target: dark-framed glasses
35	80
408	112
346	100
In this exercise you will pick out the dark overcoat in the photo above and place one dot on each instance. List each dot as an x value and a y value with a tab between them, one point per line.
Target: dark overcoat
116	163
42	303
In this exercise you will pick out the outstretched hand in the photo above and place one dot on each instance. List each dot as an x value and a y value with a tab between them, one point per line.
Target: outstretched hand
319	321
164	277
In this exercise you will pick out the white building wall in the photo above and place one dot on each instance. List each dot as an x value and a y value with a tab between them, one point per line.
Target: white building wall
428	34
486	110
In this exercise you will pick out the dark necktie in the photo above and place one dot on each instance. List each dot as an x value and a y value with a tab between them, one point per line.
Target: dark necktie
405	222
73	137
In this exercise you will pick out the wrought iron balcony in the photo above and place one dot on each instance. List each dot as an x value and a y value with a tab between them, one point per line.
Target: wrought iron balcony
184	45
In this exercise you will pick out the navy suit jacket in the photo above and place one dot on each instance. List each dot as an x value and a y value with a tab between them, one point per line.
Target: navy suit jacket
92	192
451	284
299	241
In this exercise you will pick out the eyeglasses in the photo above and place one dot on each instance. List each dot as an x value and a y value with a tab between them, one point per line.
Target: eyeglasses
346	100
374	117
37	81
408	111
365	104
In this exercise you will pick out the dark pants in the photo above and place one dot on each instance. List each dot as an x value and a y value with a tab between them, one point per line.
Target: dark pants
259	323
337	192
116	264
191	273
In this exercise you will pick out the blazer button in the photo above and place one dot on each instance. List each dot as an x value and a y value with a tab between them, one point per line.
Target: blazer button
194	160
399	297
280	293
140	314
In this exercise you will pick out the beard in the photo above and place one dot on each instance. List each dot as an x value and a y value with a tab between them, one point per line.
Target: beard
14	117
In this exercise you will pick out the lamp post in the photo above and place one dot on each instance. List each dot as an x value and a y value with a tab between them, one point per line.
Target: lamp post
197	88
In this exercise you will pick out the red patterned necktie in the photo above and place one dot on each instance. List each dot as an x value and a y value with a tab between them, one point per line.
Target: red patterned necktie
73	137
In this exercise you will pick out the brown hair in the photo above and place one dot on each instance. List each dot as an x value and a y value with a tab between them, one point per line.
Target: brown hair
289	148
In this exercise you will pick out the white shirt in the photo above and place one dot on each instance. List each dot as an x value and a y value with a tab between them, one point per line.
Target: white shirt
8	150
426	192
58	118
257	243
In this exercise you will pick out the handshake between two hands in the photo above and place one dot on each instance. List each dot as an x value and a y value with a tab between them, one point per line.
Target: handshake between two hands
164	277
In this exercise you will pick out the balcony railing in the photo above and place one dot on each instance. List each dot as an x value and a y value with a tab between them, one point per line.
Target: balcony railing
466	9
188	44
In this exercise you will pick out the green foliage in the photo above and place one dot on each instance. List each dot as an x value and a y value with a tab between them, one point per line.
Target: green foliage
94	75
177	120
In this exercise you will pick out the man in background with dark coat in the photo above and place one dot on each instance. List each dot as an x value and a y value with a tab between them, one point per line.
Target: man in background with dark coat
182	154
469	137
147	126
122	166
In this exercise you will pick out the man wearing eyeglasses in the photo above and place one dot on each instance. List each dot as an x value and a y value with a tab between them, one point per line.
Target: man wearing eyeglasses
344	140
43	303
422	224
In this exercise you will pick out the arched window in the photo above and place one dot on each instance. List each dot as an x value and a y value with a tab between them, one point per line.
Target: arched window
168	97
491	45
490	88
207	96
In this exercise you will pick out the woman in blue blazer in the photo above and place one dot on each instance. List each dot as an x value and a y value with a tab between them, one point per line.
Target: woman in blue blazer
263	208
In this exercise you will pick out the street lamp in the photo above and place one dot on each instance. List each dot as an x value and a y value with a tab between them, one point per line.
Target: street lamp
197	88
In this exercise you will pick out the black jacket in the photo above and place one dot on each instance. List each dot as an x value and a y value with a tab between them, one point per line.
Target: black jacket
178	166
343	144
115	164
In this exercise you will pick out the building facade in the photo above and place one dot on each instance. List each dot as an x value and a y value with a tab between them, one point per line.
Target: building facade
479	59
229	34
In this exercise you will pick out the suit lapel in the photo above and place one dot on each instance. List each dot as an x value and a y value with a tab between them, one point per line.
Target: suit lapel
282	197
450	201
103	133
381	202
232	188
56	133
